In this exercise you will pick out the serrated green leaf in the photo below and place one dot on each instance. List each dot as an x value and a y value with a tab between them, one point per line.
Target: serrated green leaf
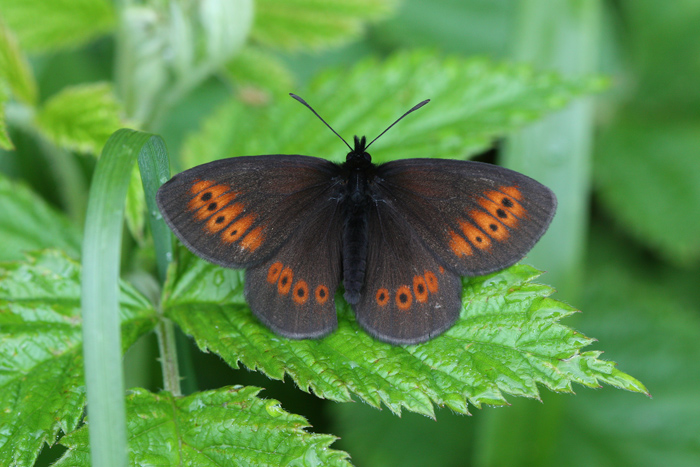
43	26
507	341
646	173
256	68
81	117
41	383
14	68
473	102
222	427
295	24
29	223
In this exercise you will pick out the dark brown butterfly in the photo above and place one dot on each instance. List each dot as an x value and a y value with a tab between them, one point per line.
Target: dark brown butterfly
399	235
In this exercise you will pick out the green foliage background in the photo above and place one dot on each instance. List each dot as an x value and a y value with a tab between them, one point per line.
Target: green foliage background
211	77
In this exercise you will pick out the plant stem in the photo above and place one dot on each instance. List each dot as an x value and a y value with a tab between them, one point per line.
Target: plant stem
168	356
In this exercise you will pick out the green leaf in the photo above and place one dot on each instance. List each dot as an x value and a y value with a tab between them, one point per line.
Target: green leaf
256	68
296	24
14	68
44	26
29	223
507	341
473	102
646	173
42	381
81	117
213	428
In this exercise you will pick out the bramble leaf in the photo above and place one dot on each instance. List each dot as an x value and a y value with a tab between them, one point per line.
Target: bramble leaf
256	68
212	428
81	117
473	102
42	390
57	24
507	341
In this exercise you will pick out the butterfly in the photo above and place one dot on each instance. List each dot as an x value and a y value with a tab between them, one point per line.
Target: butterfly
397	235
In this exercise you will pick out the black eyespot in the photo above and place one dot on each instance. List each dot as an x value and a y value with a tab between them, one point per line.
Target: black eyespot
321	293
212	206
478	239
284	280
507	203
493	227
206	196
220	219
501	213
300	292
420	288
403	298
234	232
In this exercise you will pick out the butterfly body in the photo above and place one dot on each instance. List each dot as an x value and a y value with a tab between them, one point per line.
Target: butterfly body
398	235
358	172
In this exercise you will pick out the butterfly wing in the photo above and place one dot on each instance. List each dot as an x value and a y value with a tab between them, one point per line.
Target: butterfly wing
475	217
433	221
276	216
236	212
293	291
408	296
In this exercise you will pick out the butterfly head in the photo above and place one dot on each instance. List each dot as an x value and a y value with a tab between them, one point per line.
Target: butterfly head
358	157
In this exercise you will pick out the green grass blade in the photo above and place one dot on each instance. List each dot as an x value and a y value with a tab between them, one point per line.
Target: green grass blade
100	293
155	170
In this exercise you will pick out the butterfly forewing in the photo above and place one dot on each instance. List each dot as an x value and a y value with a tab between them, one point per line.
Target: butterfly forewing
237	212
475	217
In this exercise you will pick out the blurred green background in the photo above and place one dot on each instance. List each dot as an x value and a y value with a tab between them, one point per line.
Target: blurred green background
625	164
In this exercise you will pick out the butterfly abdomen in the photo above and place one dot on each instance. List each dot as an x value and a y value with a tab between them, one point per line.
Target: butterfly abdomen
355	235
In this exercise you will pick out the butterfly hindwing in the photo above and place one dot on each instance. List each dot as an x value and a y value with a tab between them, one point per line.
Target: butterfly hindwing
475	217
408	296
293	291
236	212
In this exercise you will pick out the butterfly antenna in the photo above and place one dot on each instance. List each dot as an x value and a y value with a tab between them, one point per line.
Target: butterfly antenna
414	108
319	117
